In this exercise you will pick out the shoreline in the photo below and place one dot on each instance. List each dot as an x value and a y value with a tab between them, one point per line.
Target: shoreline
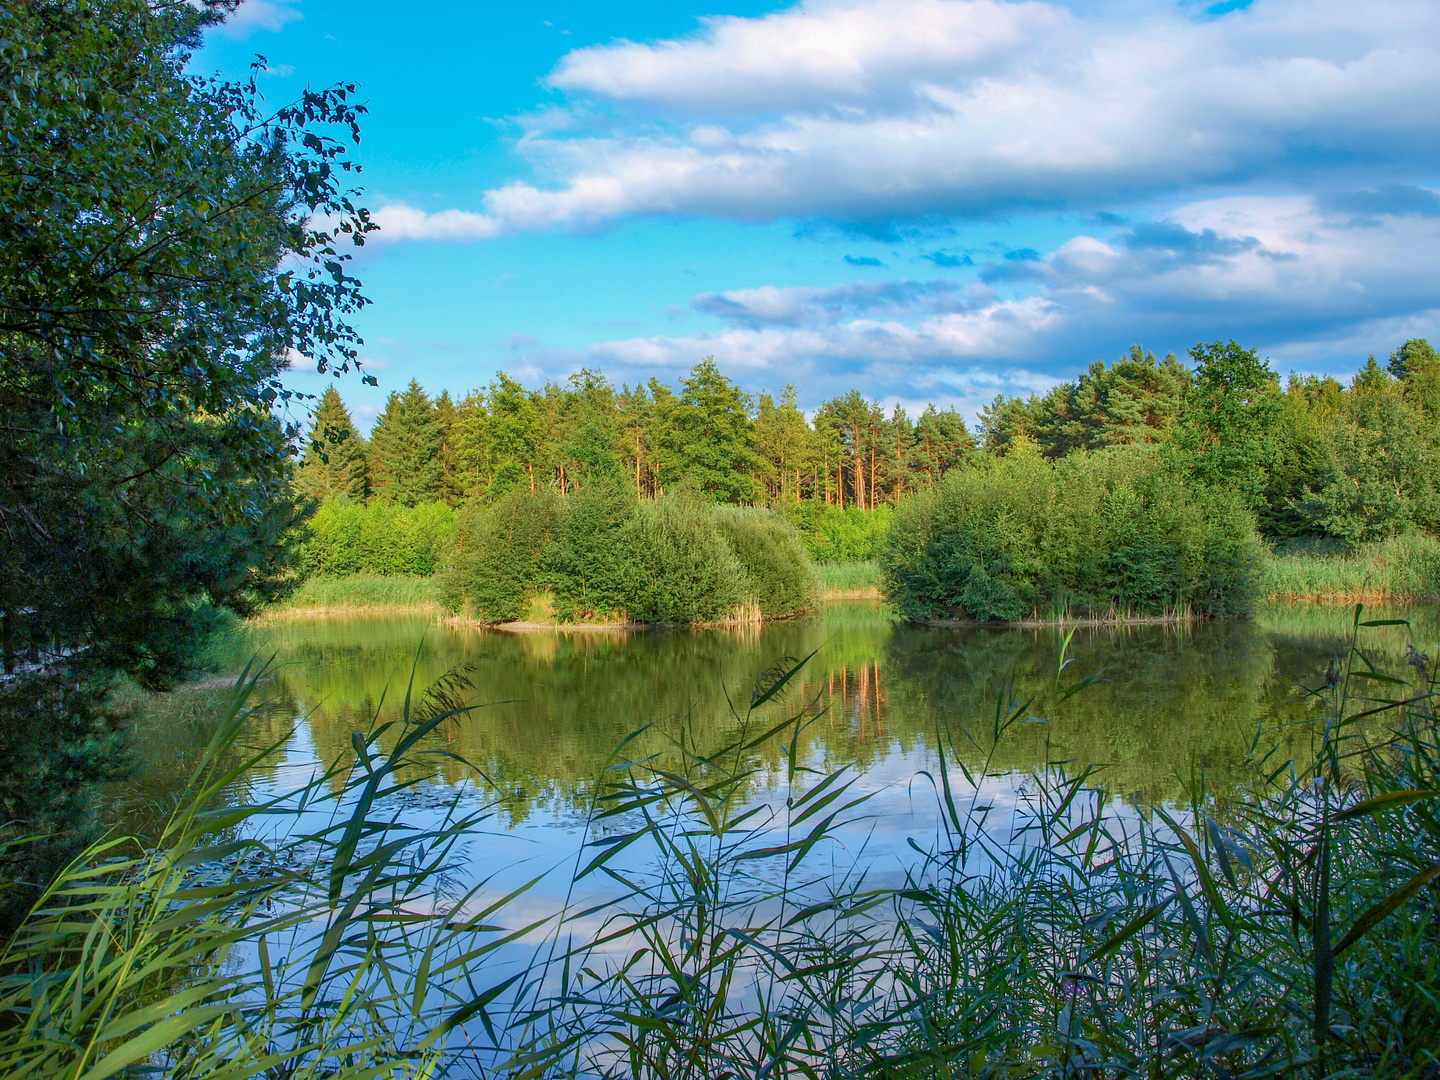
440	614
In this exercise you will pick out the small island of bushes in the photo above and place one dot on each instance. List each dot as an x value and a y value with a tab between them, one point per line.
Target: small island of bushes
1113	535
603	556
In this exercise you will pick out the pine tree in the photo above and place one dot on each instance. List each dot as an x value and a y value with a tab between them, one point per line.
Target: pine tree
335	460
405	448
714	444
447	417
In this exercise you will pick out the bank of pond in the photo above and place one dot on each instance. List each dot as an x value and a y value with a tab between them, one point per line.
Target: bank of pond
1105	536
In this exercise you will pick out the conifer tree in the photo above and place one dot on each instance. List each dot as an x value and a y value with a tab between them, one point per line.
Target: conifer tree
470	449
451	487
405	448
713	438
335	459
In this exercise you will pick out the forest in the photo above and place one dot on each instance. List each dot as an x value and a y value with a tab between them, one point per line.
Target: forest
1313	459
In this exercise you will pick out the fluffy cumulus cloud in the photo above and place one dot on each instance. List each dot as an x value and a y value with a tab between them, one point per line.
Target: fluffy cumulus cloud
1306	278
873	110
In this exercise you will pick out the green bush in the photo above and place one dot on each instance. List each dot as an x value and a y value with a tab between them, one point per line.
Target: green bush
779	575
378	537
502	554
683	571
1110	533
600	554
590	568
832	534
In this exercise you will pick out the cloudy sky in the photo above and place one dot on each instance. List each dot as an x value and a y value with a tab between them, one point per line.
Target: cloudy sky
931	200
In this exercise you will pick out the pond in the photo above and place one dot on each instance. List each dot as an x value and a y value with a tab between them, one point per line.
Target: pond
1170	705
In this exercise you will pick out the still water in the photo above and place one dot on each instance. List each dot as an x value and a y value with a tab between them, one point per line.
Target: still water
1170	705
1169	701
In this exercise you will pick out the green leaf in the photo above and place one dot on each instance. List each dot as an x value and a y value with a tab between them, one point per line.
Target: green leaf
1387	907
1388	801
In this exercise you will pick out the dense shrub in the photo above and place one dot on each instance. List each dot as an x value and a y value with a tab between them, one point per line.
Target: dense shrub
380	537
502	554
833	534
776	568
684	571
600	554
1113	532
591	566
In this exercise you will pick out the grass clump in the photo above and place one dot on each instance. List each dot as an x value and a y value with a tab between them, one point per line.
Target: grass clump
1403	568
1100	535
393	592
841	580
603	556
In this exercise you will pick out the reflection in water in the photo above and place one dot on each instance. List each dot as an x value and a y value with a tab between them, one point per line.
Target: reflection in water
1170	701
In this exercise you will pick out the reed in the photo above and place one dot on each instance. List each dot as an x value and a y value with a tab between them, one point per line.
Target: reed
1405	568
361	592
848	580
1286	927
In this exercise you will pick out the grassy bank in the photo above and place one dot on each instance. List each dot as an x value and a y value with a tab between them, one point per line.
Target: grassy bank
1281	929
1401	569
361	592
857	580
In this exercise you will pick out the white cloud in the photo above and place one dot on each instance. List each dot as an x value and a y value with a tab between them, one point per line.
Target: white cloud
1307	284
869	110
253	15
815	56
398	221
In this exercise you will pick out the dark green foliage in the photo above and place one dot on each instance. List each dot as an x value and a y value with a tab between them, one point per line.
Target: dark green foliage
777	570
1007	420
1377	472
709	448
335	459
57	741
405	449
1113	532
593	561
162	259
1135	400
603	555
503	554
379	538
1230	423
684	571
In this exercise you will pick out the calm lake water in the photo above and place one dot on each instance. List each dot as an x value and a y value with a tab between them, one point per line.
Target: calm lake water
1171	703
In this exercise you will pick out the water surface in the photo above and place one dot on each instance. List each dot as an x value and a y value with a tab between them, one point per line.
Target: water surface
1169	700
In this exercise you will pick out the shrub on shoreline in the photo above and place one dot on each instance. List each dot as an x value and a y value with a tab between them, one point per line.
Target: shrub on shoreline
1108	534
602	556
379	537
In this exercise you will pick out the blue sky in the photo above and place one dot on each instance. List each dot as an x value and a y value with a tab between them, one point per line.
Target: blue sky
930	200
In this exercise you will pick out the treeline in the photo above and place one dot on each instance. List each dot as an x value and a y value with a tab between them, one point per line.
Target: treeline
711	440
1310	458
1315	458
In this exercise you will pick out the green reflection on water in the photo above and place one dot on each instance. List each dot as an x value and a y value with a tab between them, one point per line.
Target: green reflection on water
1171	700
